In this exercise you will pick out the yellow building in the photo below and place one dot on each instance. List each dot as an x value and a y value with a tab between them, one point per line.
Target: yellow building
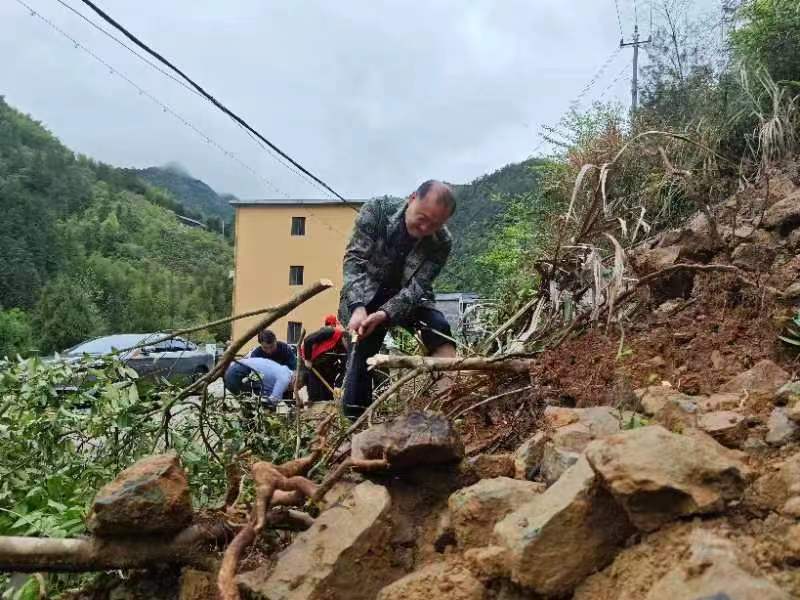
281	247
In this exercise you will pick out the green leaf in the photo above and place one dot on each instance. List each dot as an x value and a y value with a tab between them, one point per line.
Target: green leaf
793	342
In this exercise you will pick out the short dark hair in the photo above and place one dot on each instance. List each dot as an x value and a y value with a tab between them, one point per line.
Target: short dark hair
445	195
266	336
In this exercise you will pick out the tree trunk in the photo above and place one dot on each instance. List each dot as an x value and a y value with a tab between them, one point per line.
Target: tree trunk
426	363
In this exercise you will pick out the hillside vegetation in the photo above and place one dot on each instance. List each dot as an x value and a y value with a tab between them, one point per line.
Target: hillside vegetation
87	249
195	195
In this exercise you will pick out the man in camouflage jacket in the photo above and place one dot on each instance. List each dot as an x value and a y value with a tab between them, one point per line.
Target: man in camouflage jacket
396	250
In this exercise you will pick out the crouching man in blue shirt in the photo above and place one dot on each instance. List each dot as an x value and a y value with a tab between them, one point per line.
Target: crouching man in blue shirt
275	379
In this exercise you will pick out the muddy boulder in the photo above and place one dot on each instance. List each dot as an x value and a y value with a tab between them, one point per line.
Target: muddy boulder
149	497
418	438
561	536
339	556
476	509
772	490
780	428
528	457
658	476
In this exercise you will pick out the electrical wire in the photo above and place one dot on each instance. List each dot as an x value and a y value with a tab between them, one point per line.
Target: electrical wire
165	107
619	19
111	21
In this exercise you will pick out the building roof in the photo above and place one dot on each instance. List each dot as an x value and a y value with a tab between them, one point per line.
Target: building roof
293	201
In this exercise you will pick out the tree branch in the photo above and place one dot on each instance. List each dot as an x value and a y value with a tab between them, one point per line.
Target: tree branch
428	363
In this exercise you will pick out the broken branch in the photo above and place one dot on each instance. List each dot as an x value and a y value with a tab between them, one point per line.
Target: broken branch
428	363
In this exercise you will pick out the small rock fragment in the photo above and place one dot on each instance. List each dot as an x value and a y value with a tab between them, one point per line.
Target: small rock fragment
784	215
727	427
488	466
528	457
788	394
771	491
781	429
753	257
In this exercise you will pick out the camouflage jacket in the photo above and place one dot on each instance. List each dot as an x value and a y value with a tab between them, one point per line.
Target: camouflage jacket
369	258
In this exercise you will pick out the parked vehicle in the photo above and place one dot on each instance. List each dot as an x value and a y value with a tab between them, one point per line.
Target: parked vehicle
171	358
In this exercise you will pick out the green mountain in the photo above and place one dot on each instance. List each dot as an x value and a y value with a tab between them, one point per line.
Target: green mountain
195	195
88	249
482	208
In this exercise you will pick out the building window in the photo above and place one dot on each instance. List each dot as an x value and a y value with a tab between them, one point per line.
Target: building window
295	275
293	332
298	225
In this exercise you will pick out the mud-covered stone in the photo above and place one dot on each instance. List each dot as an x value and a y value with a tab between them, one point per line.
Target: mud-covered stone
337	557
476	509
445	579
658	476
488	466
729	428
150	497
418	438
714	569
653	398
760	381
573	529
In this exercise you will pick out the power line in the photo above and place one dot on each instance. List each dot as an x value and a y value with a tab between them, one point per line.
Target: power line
166	108
208	96
185	86
619	19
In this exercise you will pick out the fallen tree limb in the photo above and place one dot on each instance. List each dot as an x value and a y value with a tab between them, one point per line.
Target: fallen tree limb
429	363
29	554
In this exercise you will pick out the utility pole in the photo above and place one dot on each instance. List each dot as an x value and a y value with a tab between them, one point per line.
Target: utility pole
635	79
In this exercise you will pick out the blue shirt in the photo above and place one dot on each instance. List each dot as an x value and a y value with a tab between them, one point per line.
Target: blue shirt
275	378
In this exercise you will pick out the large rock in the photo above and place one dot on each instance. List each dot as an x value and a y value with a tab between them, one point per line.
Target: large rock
658	476
339	556
761	381
675	285
439	580
714	570
554	541
788	394
784	215
418	438
780	429
149	497
729	428
476	509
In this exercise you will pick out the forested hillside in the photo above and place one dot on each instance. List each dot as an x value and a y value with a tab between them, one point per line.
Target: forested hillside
479	225
88	249
193	194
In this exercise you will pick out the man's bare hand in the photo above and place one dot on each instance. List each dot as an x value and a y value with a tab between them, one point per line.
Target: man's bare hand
371	322
357	318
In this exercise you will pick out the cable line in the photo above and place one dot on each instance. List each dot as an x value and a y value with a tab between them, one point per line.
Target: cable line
106	17
166	108
619	19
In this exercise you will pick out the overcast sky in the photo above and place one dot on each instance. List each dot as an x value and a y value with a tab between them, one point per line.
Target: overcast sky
373	96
